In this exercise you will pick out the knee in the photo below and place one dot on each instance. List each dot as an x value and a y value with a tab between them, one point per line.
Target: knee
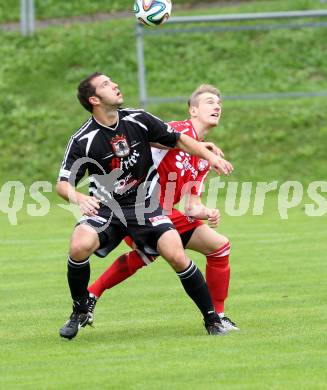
223	241
178	260
220	254
81	249
170	247
217	245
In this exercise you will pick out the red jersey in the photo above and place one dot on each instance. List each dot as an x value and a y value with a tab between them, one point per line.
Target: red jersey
180	173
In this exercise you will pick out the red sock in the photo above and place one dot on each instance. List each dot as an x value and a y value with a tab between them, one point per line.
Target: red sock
122	268
129	241
218	275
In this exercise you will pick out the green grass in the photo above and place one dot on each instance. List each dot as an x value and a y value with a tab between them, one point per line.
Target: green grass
46	9
147	333
272	139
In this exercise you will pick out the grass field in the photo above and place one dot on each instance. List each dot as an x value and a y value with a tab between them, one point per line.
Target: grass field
147	333
45	9
38	78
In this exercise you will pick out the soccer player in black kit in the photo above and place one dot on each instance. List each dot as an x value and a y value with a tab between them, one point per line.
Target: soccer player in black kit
114	147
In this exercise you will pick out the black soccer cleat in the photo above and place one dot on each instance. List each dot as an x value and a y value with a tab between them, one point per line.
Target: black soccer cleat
215	327
76	321
92	301
228	324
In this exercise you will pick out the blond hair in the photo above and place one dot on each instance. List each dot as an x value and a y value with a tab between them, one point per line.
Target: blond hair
203	88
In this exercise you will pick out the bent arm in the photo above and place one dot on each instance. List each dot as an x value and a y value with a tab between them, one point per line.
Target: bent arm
209	145
198	149
194	147
88	204
68	192
195	209
159	146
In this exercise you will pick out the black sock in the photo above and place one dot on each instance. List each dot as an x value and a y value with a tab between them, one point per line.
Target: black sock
197	289
78	276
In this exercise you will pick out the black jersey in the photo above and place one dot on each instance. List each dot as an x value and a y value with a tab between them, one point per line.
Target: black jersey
100	150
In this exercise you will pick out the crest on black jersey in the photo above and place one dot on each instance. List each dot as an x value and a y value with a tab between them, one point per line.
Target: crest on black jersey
120	146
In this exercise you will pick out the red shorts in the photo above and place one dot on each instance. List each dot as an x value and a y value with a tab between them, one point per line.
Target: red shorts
181	221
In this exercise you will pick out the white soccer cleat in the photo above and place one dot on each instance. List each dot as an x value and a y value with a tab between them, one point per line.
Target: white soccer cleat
228	323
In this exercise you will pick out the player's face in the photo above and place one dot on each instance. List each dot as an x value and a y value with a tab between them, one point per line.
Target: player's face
107	92
208	110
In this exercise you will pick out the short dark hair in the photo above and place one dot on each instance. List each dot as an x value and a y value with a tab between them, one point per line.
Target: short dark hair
85	90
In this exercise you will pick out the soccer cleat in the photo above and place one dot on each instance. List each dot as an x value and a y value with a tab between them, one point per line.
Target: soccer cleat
76	321
92	301
215	327
228	324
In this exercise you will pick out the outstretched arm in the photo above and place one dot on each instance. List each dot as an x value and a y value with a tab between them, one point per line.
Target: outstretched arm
209	145
199	149
213	148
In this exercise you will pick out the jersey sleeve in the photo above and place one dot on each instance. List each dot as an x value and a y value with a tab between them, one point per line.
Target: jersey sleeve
160	132
72	167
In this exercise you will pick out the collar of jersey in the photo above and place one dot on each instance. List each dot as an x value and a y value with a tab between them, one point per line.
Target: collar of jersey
192	128
107	127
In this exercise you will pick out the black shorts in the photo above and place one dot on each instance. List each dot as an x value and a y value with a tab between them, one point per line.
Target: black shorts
186	236
144	228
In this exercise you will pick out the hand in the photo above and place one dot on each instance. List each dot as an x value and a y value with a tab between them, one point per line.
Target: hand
220	165
214	149
88	205
213	217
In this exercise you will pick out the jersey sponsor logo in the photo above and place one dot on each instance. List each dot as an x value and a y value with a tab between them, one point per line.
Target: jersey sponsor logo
126	185
131	160
159	220
120	146
183	163
120	185
114	163
203	165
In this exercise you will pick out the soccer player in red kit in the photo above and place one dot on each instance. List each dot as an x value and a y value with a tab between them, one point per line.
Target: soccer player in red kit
182	174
